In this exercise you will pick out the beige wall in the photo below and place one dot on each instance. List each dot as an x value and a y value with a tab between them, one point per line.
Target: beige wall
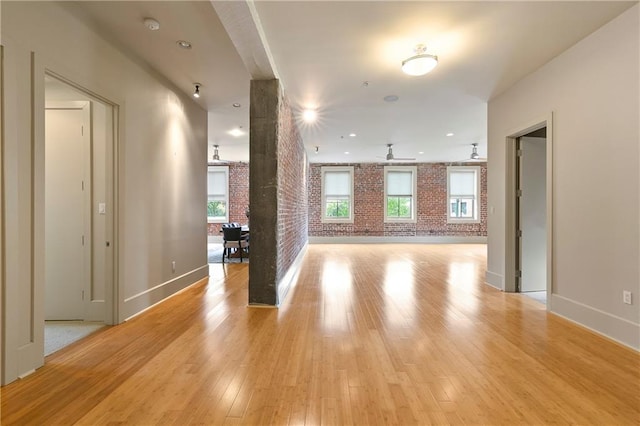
593	91
161	165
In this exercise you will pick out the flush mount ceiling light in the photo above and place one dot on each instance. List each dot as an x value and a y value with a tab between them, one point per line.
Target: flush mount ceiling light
309	115
196	92
421	63
184	44
151	24
237	132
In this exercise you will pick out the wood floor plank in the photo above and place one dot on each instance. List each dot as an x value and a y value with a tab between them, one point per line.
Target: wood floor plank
369	335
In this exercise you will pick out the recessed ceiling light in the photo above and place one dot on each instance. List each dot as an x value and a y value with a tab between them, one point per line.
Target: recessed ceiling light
352	135
151	24
237	132
236	105
184	44
309	115
346	152
391	98
365	84
421	152
449	134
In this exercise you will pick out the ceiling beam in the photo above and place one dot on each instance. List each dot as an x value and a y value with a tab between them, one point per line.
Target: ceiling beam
241	21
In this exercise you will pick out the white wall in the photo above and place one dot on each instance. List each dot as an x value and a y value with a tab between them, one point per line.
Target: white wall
161	166
593	91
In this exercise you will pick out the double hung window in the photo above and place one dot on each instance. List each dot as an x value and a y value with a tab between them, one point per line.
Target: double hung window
463	189
400	193
337	194
218	194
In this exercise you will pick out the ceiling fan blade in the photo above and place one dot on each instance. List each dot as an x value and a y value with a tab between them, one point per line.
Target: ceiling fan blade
402	159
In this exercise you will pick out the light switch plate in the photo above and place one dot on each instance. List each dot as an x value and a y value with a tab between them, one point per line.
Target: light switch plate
102	208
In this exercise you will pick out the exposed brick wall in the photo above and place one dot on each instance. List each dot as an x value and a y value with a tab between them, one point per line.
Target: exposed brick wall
369	204
238	196
292	191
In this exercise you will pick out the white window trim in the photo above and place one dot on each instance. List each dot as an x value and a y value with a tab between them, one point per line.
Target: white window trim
414	195
226	195
477	170
324	218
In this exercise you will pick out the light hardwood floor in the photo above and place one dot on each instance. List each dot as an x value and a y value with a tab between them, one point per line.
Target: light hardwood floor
371	334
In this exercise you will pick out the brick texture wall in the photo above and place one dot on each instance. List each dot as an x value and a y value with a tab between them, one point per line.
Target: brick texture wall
292	232
369	204
238	196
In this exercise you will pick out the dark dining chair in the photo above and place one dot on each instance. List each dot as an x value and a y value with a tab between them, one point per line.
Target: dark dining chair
233	239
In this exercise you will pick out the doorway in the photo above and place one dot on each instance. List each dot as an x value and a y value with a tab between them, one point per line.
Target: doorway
531	215
78	213
528	236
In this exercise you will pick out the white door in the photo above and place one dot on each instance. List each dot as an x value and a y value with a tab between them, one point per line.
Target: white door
533	211
66	192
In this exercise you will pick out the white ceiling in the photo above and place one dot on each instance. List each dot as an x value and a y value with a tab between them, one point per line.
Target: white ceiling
324	51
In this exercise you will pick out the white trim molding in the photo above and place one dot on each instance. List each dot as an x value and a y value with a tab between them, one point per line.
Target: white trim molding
142	301
619	329
494	280
290	279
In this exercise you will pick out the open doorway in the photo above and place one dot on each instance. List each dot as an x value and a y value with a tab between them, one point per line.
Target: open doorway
531	227
528	240
78	214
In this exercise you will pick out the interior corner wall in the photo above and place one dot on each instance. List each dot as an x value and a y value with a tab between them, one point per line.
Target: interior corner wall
277	193
596	181
161	171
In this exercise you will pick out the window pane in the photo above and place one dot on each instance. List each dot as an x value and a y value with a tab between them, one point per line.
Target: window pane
337	208
399	183
217	182
462	183
399	207
216	208
462	208
337	183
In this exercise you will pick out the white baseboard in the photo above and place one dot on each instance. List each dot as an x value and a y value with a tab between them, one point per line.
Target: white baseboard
398	240
494	280
142	301
619	329
291	277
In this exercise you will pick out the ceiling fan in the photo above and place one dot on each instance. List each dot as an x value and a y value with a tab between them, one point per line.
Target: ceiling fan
216	155
391	157
474	157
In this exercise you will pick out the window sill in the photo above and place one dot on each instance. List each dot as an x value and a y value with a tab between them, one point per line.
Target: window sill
209	220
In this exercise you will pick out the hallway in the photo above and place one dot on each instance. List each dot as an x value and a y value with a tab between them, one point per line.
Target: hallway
370	334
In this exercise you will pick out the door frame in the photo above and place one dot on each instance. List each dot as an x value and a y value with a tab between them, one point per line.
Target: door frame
511	259
111	198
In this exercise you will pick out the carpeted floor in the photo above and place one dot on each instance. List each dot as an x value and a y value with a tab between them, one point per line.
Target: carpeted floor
58	334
